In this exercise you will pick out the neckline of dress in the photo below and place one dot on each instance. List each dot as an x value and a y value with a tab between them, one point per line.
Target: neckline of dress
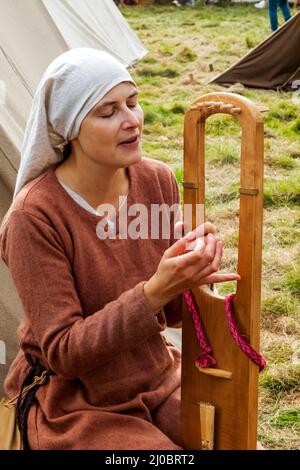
78	207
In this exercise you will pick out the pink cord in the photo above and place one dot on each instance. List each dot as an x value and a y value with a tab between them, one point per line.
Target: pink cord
256	357
206	358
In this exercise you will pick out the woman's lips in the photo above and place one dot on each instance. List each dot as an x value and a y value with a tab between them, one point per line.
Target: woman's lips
130	145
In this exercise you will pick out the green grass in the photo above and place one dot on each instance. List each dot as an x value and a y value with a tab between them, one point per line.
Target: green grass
286	236
187	48
287	163
282	192
219	125
280	379
280	304
283	111
224	154
296	126
293	281
288	418
186	55
227	288
154	70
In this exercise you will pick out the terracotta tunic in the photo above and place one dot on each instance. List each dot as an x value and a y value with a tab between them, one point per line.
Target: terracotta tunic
117	379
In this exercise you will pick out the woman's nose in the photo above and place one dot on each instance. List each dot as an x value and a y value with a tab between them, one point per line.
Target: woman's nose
131	118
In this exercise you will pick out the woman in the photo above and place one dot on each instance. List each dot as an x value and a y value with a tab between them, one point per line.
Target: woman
95	300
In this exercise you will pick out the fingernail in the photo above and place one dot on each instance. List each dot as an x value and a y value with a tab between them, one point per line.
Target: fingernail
190	235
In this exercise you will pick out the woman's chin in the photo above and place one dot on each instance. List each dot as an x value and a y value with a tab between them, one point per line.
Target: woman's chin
133	157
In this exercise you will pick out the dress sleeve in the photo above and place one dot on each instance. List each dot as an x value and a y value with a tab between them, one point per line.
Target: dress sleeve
69	341
173	310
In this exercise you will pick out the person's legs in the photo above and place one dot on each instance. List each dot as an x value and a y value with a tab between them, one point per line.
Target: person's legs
272	8
285	9
166	417
97	430
180	3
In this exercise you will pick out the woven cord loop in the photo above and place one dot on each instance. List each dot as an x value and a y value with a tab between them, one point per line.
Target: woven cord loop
206	358
256	357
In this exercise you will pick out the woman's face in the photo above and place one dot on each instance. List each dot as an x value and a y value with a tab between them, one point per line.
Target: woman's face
111	132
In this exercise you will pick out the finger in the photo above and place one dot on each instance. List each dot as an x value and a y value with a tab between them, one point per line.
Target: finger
178	247
205	229
202	229
210	248
197	244
216	237
200	259
219	245
178	230
215	278
214	265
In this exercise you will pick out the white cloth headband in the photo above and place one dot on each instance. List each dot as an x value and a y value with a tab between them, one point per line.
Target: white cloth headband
70	87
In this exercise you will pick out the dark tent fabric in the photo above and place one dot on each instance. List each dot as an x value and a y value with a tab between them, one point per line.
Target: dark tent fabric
274	64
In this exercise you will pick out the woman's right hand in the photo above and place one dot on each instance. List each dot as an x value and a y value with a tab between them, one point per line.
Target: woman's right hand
180	270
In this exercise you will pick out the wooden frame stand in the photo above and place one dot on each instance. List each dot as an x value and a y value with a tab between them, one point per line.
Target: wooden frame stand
231	388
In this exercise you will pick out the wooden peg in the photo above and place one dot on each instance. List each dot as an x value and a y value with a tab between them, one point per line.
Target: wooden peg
207	423
228	106
202	105
236	110
223	374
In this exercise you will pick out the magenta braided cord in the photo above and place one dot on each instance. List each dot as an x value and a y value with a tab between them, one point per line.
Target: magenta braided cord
256	357
206	358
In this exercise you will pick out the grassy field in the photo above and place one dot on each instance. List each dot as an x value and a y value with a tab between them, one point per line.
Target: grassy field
187	47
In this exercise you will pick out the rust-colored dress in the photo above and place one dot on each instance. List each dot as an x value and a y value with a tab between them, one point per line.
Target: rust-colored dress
117	379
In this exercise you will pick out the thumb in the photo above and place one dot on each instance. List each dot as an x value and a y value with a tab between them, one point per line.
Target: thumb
178	229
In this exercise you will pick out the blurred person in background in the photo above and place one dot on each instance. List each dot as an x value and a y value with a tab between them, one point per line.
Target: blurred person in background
273	14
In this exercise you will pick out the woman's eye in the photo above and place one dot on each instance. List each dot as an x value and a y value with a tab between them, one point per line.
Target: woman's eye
112	112
108	115
132	105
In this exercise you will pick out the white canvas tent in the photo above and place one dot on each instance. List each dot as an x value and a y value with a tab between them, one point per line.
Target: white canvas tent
32	34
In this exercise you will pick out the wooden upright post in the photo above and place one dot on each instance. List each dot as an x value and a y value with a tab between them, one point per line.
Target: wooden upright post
232	389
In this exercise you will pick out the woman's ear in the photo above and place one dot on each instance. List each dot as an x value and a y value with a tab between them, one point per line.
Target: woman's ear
67	151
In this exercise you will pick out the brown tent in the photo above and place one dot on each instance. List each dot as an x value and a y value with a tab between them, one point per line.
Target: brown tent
274	64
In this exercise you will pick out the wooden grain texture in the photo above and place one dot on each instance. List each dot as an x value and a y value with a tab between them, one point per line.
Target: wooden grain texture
235	400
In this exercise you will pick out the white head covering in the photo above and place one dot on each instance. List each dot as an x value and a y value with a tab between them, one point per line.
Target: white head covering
70	87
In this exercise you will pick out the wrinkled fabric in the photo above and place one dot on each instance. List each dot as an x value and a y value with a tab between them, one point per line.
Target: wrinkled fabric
117	382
